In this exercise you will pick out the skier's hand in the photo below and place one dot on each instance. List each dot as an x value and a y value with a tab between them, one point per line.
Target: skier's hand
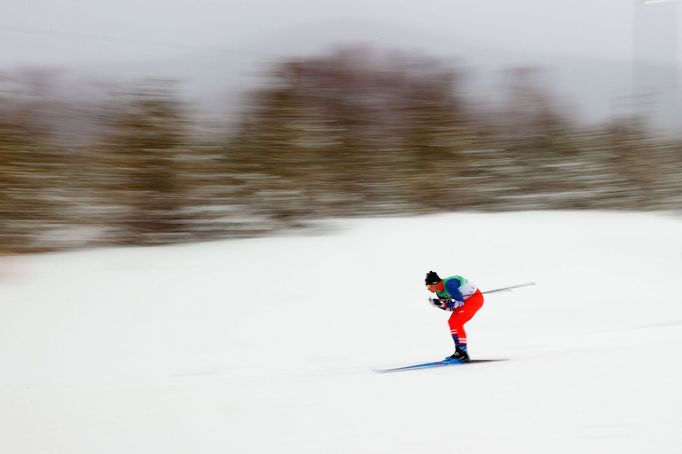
453	304
436	302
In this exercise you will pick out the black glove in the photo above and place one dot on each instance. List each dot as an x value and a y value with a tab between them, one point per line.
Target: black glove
436	302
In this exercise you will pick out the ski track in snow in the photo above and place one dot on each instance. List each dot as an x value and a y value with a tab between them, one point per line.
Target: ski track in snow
268	345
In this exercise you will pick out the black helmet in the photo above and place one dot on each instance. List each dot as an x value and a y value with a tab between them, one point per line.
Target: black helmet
432	278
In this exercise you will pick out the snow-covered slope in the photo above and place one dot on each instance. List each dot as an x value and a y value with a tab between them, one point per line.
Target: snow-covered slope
267	345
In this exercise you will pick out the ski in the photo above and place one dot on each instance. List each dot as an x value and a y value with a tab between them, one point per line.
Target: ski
432	364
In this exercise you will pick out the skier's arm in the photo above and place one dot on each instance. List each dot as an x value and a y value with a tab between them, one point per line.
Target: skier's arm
452	287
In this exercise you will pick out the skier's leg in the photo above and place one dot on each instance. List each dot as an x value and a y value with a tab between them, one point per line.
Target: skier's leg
459	336
462	315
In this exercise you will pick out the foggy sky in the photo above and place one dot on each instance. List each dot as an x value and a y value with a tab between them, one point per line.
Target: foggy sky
64	32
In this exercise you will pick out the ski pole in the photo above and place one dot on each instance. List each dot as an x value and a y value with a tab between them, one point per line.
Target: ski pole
503	289
506	289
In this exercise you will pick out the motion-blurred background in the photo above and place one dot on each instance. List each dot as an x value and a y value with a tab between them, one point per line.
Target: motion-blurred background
169	121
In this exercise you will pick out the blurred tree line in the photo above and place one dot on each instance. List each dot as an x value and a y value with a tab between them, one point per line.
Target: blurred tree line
351	133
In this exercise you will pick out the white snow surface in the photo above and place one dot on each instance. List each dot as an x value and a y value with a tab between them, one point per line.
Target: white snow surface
268	345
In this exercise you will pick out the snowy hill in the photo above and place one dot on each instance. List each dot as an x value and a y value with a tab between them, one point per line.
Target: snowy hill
267	345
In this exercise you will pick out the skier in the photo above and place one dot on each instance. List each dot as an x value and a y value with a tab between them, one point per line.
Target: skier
463	299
